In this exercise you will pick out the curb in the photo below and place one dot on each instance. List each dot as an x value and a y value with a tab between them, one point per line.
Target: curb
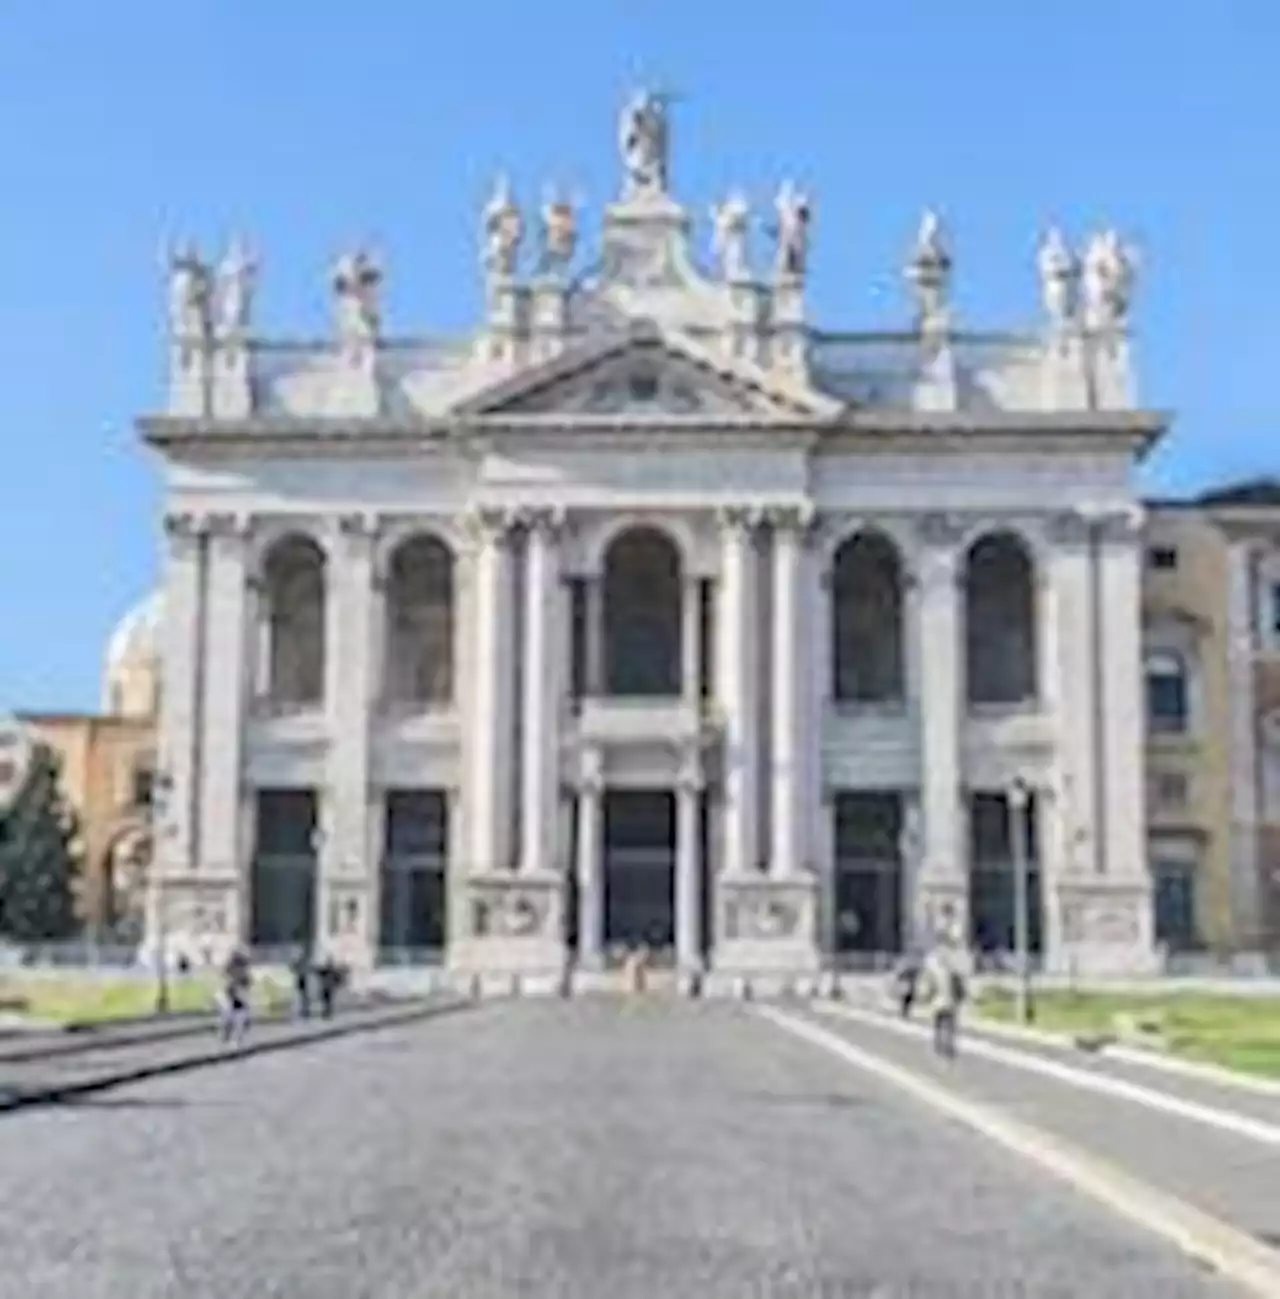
222	1055
1233	1253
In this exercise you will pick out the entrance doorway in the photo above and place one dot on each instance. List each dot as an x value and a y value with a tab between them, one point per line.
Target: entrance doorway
283	905
639	869
868	875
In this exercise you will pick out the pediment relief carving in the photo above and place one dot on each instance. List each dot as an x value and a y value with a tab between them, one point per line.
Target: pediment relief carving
646	375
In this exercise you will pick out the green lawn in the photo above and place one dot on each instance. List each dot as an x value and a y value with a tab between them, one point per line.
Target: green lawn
65	999
1237	1032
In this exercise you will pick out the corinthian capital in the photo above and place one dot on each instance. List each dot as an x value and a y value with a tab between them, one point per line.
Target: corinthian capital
739	520
799	518
489	524
548	521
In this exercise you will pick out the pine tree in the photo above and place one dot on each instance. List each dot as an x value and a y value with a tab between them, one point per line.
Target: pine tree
39	861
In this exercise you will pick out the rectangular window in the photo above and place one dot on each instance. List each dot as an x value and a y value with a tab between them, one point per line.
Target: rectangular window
144	784
1162	558
1169	789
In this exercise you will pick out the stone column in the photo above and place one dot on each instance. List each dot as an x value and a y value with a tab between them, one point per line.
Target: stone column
590	868
543	664
737	664
225	701
184	594
688	885
492	680
691	640
350	692
943	875
790	737
1122	715
1068	690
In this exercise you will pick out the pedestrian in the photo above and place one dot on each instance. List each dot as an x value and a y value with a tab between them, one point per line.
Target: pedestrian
944	975
302	983
236	981
907	982
328	980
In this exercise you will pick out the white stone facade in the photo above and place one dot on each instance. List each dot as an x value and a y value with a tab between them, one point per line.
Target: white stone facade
805	595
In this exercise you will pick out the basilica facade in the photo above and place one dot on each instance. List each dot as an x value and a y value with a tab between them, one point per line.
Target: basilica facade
654	612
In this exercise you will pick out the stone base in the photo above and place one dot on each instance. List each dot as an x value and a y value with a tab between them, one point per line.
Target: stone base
941	906
515	929
1104	929
196	920
768	933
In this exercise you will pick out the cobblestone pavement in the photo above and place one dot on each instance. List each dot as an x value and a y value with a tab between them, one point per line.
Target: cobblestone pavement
635	1150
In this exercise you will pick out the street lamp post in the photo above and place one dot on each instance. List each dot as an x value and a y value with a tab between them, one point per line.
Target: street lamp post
1019	802
161	789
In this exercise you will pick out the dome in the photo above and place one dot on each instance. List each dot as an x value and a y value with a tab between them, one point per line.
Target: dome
131	669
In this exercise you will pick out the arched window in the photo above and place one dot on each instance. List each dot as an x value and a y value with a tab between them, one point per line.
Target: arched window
642	614
866	599
1168	698
419	623
294	590
1000	622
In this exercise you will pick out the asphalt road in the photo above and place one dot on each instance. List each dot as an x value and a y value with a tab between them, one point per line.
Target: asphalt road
534	1149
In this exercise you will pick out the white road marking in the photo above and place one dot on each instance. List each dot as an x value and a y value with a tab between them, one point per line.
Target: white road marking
1241	1125
1234	1253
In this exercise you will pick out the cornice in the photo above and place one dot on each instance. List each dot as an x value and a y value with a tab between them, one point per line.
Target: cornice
860	430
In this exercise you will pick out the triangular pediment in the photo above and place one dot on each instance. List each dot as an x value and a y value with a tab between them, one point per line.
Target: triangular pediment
647	373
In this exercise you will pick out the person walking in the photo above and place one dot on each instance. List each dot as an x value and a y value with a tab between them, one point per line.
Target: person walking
907	982
945	978
301	970
236	981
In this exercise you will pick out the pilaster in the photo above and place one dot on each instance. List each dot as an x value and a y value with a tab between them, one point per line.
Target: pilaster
737	684
792	764
225	688
182	695
544	662
943	874
1070	670
350	691
490	718
1247	906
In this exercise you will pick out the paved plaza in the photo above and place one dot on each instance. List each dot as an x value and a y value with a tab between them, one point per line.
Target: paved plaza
586	1148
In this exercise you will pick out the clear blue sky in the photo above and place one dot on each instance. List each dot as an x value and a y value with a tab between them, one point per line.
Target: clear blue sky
313	125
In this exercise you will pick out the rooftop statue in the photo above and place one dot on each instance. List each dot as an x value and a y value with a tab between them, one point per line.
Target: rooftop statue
559	232
503	229
1108	281
357	280
1059	278
236	277
929	273
729	237
794	218
642	140
190	291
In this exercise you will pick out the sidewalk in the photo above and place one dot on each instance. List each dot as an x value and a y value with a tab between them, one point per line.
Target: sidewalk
1219	1152
63	1075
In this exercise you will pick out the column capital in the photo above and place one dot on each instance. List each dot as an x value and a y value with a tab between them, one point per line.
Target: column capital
1121	527
357	526
739	520
1068	528
545	521
228	525
938	530
798	520
489	525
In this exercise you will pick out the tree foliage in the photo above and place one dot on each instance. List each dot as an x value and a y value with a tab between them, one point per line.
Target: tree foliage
39	857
